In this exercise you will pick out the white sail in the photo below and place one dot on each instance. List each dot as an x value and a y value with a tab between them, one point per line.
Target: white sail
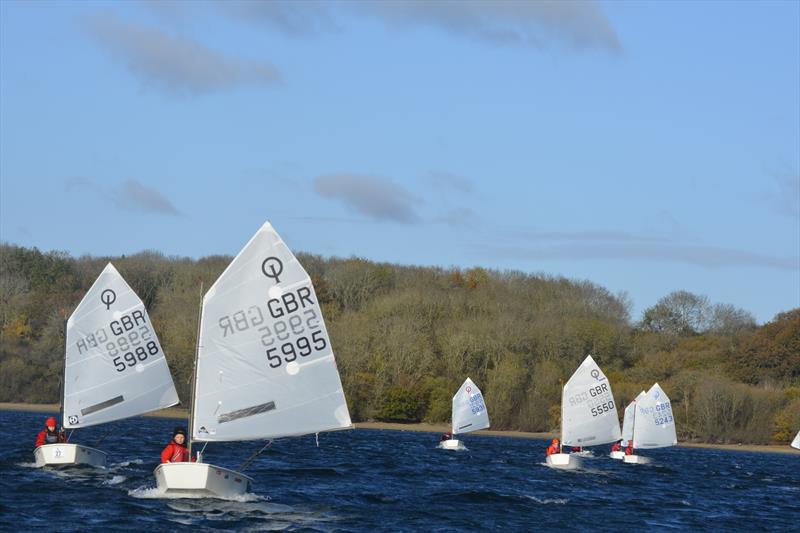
654	426
469	409
265	367
627	420
796	441
588	412
115	367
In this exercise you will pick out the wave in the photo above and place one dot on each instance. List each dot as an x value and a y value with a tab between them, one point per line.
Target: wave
116	480
123	464
549	501
154	493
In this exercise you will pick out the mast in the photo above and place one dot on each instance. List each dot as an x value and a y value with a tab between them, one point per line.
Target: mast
63	390
192	392
561	435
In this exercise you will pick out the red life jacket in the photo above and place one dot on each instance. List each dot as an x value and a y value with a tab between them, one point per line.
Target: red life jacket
174	453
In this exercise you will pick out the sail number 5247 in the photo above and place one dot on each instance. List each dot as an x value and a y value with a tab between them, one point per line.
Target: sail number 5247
302	347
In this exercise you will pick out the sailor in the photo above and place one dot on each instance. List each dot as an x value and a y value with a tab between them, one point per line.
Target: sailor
49	435
176	451
616	446
629	449
553	448
445	436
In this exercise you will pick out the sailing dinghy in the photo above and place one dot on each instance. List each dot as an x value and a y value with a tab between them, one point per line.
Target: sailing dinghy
627	426
469	414
114	367
264	366
653	425
588	414
796	441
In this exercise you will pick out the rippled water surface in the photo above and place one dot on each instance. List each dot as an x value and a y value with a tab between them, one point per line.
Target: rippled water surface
367	480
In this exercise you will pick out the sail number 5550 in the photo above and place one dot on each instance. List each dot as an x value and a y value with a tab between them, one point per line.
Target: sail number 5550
301	347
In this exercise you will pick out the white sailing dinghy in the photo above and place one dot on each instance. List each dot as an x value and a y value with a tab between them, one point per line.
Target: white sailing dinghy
264	367
796	441
114	367
653	425
588	414
469	414
627	426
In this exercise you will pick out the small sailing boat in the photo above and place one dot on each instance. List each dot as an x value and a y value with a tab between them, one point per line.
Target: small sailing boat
469	414
627	426
114	367
653	425
264	365
796	441
588	414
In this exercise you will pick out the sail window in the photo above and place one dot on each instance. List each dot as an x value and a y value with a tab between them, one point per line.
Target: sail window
246	412
102	405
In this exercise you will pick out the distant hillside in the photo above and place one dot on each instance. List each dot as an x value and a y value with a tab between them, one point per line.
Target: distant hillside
406	337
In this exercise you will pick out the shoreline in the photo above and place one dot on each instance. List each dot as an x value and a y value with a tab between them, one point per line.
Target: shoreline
423	427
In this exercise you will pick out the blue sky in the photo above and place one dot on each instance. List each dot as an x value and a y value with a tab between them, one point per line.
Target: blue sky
647	147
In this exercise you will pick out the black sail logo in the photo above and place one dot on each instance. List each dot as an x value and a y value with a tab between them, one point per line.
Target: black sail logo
108	297
272	267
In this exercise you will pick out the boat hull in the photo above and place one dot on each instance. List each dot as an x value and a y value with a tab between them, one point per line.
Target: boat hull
617	455
636	459
452	444
200	480
563	461
66	454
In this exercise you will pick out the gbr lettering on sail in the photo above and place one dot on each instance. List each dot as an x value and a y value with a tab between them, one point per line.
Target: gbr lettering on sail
289	326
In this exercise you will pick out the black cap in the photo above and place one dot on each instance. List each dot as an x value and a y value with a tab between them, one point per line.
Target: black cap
179	430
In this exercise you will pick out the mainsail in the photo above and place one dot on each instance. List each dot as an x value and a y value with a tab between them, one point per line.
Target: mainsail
469	409
265	367
654	426
115	367
628	418
588	411
796	441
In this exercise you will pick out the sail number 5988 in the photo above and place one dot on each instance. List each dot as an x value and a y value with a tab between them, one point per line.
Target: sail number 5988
302	347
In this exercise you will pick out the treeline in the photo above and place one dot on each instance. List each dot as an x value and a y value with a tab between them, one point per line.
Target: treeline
406	337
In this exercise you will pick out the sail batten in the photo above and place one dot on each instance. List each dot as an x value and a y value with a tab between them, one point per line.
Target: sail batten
588	411
265	366
114	365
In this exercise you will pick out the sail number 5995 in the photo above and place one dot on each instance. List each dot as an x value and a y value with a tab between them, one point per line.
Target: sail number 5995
302	347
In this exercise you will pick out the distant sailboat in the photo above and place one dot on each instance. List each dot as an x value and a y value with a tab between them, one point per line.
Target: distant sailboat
653	425
627	425
264	367
796	441
588	413
469	414
114	367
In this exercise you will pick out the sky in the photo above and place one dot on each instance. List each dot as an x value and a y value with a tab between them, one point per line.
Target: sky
647	147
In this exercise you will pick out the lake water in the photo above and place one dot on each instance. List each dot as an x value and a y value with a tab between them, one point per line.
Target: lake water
368	480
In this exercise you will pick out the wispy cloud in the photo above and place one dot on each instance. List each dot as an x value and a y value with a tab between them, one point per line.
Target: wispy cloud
130	195
450	182
376	197
174	64
297	19
705	256
539	24
504	22
462	217
587	236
